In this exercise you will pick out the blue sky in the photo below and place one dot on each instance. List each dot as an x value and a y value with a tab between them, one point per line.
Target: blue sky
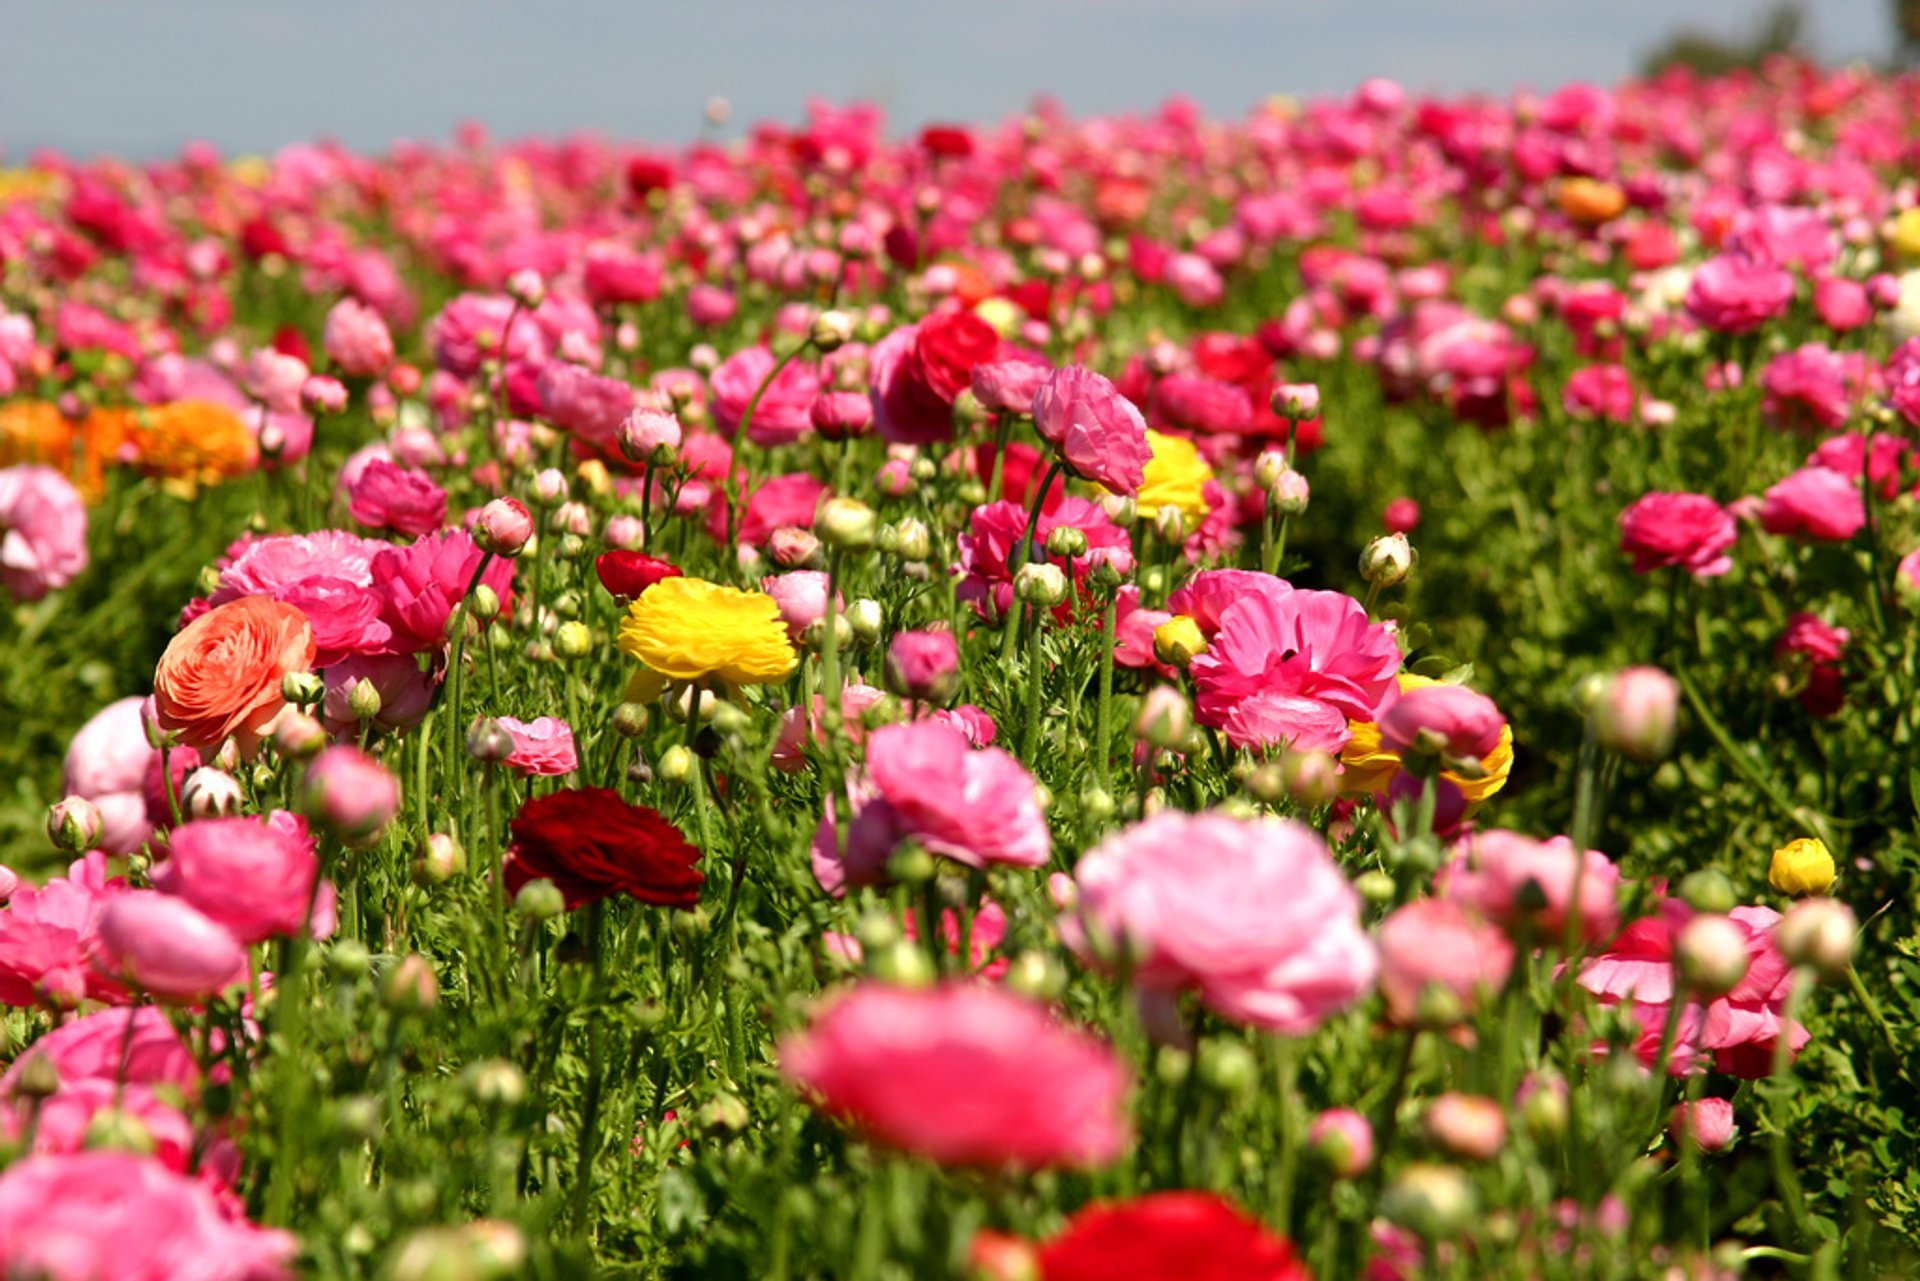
138	77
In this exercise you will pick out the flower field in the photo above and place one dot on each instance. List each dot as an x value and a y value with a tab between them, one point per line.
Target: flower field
1328	694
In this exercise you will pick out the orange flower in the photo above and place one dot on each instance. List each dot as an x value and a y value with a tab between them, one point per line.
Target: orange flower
220	677
1591	202
35	431
195	441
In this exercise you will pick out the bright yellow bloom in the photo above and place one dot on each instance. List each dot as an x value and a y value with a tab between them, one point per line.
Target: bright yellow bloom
687	629
1178	641
1367	767
1905	236
1176	477
1801	867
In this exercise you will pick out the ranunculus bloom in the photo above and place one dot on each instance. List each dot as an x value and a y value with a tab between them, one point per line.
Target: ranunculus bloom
1528	885
590	406
1819	645
219	678
783	414
1814	503
406	692
1688	530
919	369
789	744
258	878
107	763
135	1044
542	747
421	583
1024	1090
1095	429
327	575
782	501
592	844
995	529
43	531
1737	295
1009	386
687	629
1253	913
801	596
356	339
387	496
923	665
1459	721
167	947
1168	1236
349	793
47	935
60	1124
1708	1122
1439	944
99	1215
628	574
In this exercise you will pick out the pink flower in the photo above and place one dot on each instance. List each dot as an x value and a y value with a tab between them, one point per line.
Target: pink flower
1437	944
47	936
1294	668
1819	646
1814	503
1254	914
356	339
1009	386
327	575
135	1044
1736	295
1024	1090
1344	1139
43	531
801	596
542	747
1708	1122
503	527
127	1217
107	763
995	529
1841	304
61	1123
274	379
421	583
406	692
1603	392
782	500
710	306
1688	530
613	275
584	403
387	496
1095	429
1206	597
260	879
918	370
789	747
1402	516
349	794
782	416
841	415
1464	723
473	327
923	665
1527	886
1812	387
166	947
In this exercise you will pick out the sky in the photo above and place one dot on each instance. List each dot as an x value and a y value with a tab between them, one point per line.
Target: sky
140	77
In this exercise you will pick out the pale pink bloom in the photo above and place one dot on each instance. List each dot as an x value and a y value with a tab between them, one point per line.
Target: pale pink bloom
1019	1088
1710	1122
1253	913
784	412
47	935
135	1044
710	306
503	527
387	496
472	327
1009	386
43	531
349	793
1466	1125
107	763
120	1216
274	379
1463	722
1688	530
356	339
1814	503
256	877
789	747
1439	944
1096	430
167	948
1206	597
1528	885
802	597
542	747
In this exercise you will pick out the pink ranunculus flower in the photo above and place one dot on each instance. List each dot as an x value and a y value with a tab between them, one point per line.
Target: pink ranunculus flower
923	665
60	1124
274	379
1814	503
1439	944
258	878
1690	531
789	746
1096	430
349	794
587	404
782	501
43	531
421	583
1530	886
168	948
1461	722
801	595
1285	668
357	340
783	415
327	575
542	747
107	763
1206	597
995	529
47	935
135	1044
128	1217
472	328
406	692
1252	913
1009	386
1731	294
388	496
1025	1090
1841	304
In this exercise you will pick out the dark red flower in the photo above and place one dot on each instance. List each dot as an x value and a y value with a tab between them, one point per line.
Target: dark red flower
1168	1236
630	573
947	140
592	844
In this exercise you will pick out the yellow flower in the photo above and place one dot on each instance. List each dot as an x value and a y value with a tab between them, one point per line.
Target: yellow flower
1801	867
1367	767
1178	641
1905	237
1176	477
687	629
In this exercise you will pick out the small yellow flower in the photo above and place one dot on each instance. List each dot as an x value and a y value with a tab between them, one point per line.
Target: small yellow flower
1801	867
1176	477
1904	237
1367	767
687	629
1178	641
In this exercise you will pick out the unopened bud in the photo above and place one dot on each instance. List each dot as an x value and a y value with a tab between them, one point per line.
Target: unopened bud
303	689
630	720
411	985
1387	560
540	900
74	824
1040	584
364	700
865	618
488	741
526	288
1636	714
572	640
831	330
1818	932
441	858
297	736
1066	540
1289	493
847	523
1711	954
484	604
1164	718
211	793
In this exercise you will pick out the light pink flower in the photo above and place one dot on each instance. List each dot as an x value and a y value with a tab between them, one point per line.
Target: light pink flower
356	339
107	763
61	1123
326	574
783	415
1439	944
1464	722
1528	885
349	793
43	531
1019	1088
789	747
1099	432
590	406
257	878
542	747
801	596
1253	913
1009	386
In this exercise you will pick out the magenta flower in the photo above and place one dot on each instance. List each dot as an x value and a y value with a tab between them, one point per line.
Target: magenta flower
1815	504
784	412
1690	531
388	496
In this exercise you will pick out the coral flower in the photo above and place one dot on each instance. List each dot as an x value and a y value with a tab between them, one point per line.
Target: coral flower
1017	1088
688	629
220	677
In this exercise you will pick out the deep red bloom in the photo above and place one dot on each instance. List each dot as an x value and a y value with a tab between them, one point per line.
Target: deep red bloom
950	344
592	844
630	573
1188	1236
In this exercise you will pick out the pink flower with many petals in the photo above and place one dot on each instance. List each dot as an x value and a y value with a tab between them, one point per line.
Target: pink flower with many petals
166	947
995	529
590	406
1457	721
1095	430
1731	294
421	583
1528	885
43	531
388	496
47	936
1438	944
136	1044
357	340
783	414
1814	503
258	878
327	575
1688	530
542	747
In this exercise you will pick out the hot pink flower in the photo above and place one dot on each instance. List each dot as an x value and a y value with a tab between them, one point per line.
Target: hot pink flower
133	1043
1095	429
1464	722
1254	914
1688	530
166	947
1438	943
356	339
1820	645
1528	885
542	747
995	529
127	1217
1736	295
43	531
585	403
60	1124
613	275
257	878
1814	503
782	416
387	496
1009	386
406	692
327	575
421	583
1206	597
783	500
1024	1090
1603	392
1813	387
471	329
107	763
47	936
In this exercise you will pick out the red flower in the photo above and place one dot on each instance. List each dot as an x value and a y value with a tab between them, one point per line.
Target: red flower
592	844
630	573
1168	1236
949	345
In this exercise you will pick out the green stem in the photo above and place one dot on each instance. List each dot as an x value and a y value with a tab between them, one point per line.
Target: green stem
1103	713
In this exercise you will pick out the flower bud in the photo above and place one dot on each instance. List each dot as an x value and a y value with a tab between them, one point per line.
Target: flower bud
912	541
1707	1122
441	858
1297	400
540	900
303	689
846	523
526	288
676	764
350	794
1164	718
649	436
364	700
1708	890
503	527
1170	523
793	548
1711	955
1040	583
1268	466
1636	714
114	1129
37	1076
1289	494
1066	540
924	666
1432	1201
1311	778
865	618
630	720
626	533
297	736
831	330
1466	1125
1387	560
488	741
1343	1141
550	487
1801	867
494	1083
484	604
74	824
1818	932
572	640
411	985
903	964
1036	975
1178	641
210	793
